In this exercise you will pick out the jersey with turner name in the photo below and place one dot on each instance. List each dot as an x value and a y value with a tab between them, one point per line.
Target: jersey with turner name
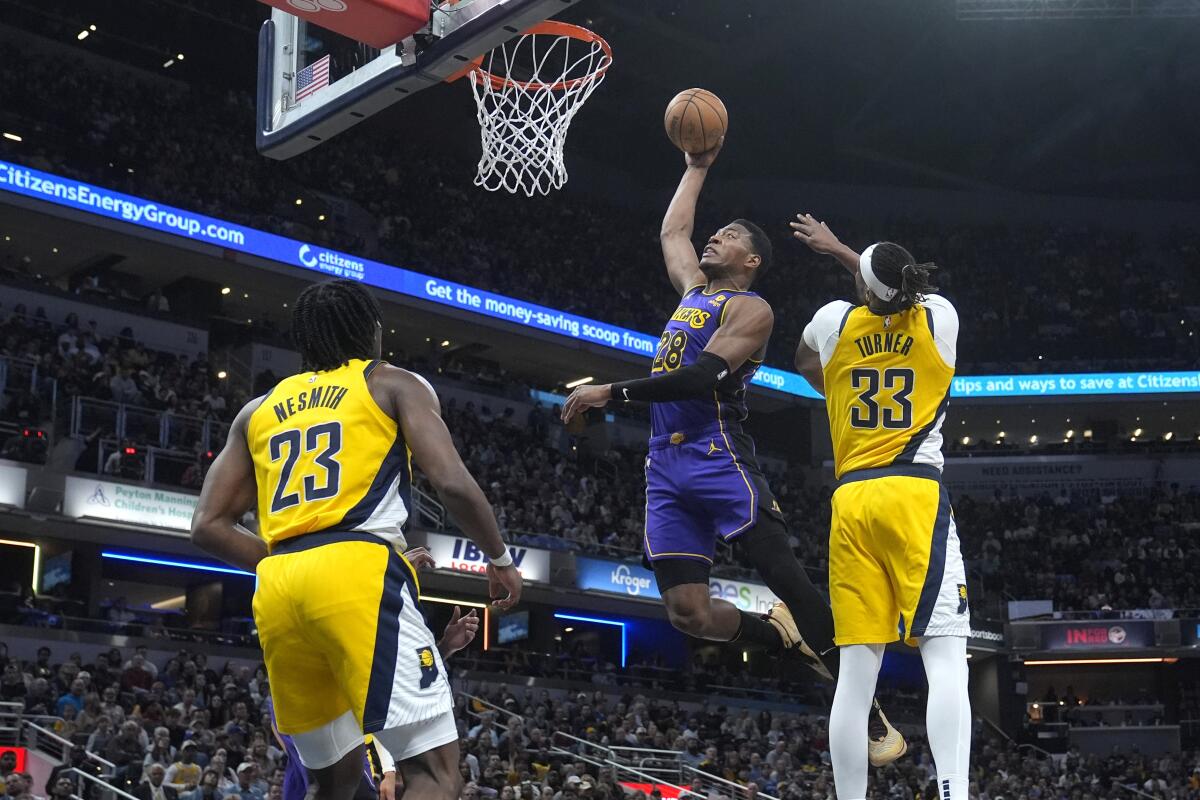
887	381
327	457
688	332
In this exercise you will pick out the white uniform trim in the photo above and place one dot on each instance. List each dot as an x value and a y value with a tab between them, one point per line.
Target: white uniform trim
945	619
822	334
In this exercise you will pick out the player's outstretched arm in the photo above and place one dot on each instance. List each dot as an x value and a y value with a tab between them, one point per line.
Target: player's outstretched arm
229	492
415	406
743	333
821	240
683	265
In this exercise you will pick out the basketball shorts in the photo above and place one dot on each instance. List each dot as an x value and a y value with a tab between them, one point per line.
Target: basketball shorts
344	639
895	566
702	484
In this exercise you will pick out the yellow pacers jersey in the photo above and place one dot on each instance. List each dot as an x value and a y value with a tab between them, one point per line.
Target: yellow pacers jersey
327	457
886	387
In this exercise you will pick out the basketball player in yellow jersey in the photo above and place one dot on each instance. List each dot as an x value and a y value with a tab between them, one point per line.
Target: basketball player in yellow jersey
895	567
325	456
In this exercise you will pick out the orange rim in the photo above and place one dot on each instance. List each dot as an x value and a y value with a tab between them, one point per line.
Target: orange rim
548	28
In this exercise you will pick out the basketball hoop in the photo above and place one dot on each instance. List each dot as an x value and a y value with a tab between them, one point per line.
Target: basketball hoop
526	92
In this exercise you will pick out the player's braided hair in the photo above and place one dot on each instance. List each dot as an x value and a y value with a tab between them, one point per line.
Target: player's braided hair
333	322
897	268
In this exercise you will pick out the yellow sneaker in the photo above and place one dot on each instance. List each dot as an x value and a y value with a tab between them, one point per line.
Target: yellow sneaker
781	617
885	744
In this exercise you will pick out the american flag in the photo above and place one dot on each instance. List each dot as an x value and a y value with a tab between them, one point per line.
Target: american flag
312	78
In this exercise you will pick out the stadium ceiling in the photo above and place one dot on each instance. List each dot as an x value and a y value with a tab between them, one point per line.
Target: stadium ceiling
987	10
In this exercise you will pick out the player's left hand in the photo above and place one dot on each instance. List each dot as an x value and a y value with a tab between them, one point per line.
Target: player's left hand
814	233
586	397
387	786
460	632
420	558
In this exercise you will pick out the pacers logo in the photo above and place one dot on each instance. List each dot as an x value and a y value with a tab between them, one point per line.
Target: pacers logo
962	598
428	664
313	6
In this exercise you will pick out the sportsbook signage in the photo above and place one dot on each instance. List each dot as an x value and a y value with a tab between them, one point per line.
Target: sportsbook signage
634	580
68	193
1098	635
462	555
12	485
1054	474
119	502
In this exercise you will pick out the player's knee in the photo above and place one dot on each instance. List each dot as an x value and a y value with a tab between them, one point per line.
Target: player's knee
689	618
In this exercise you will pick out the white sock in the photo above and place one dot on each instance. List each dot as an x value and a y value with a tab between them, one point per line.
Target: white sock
848	719
948	717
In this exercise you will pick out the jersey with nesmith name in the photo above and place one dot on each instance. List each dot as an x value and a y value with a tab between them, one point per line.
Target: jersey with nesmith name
887	381
699	315
327	457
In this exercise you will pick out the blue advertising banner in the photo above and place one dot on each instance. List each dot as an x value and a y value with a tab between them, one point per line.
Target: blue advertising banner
598	575
148	214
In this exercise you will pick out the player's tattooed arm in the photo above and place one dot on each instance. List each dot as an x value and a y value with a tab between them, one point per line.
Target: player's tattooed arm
821	240
683	265
228	493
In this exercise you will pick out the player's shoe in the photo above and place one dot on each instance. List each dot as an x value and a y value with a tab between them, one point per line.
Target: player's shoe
781	618
885	744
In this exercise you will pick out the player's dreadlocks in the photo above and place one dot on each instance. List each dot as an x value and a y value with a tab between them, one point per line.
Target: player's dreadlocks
334	322
897	267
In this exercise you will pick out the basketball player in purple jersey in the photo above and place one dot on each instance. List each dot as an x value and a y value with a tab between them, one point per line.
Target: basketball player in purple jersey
702	478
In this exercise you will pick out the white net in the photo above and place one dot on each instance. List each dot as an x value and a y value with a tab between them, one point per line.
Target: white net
526	93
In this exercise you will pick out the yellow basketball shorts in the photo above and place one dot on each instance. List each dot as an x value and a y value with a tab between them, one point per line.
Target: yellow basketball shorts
895	565
341	631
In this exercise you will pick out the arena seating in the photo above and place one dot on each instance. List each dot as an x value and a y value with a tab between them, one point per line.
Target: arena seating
134	713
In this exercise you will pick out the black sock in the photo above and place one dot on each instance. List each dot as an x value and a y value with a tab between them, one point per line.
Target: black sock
767	549
755	630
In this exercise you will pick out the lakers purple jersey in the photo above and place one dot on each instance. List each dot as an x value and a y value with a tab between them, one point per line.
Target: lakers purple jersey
695	321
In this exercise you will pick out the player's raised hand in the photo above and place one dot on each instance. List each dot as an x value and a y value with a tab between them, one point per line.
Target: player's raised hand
704	160
586	397
460	632
504	586
420	558
815	234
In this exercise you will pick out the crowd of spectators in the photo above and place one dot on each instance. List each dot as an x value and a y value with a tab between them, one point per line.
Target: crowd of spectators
781	754
49	361
1070	299
189	729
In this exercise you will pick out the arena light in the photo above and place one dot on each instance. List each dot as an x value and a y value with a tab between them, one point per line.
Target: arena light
1137	432
1070	433
222	375
225	290
966	440
12	137
580	382
83	34
170	562
598	621
168	63
1168	436
37	559
1033	439
1067	662
486	622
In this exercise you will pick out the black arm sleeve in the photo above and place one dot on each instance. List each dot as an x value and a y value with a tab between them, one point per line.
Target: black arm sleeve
684	383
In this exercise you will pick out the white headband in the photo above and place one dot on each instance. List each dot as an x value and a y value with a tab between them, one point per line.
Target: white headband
877	287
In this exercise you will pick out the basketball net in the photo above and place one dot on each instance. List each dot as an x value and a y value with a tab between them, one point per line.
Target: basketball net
523	122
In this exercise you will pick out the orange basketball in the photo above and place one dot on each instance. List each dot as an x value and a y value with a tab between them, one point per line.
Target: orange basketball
695	120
